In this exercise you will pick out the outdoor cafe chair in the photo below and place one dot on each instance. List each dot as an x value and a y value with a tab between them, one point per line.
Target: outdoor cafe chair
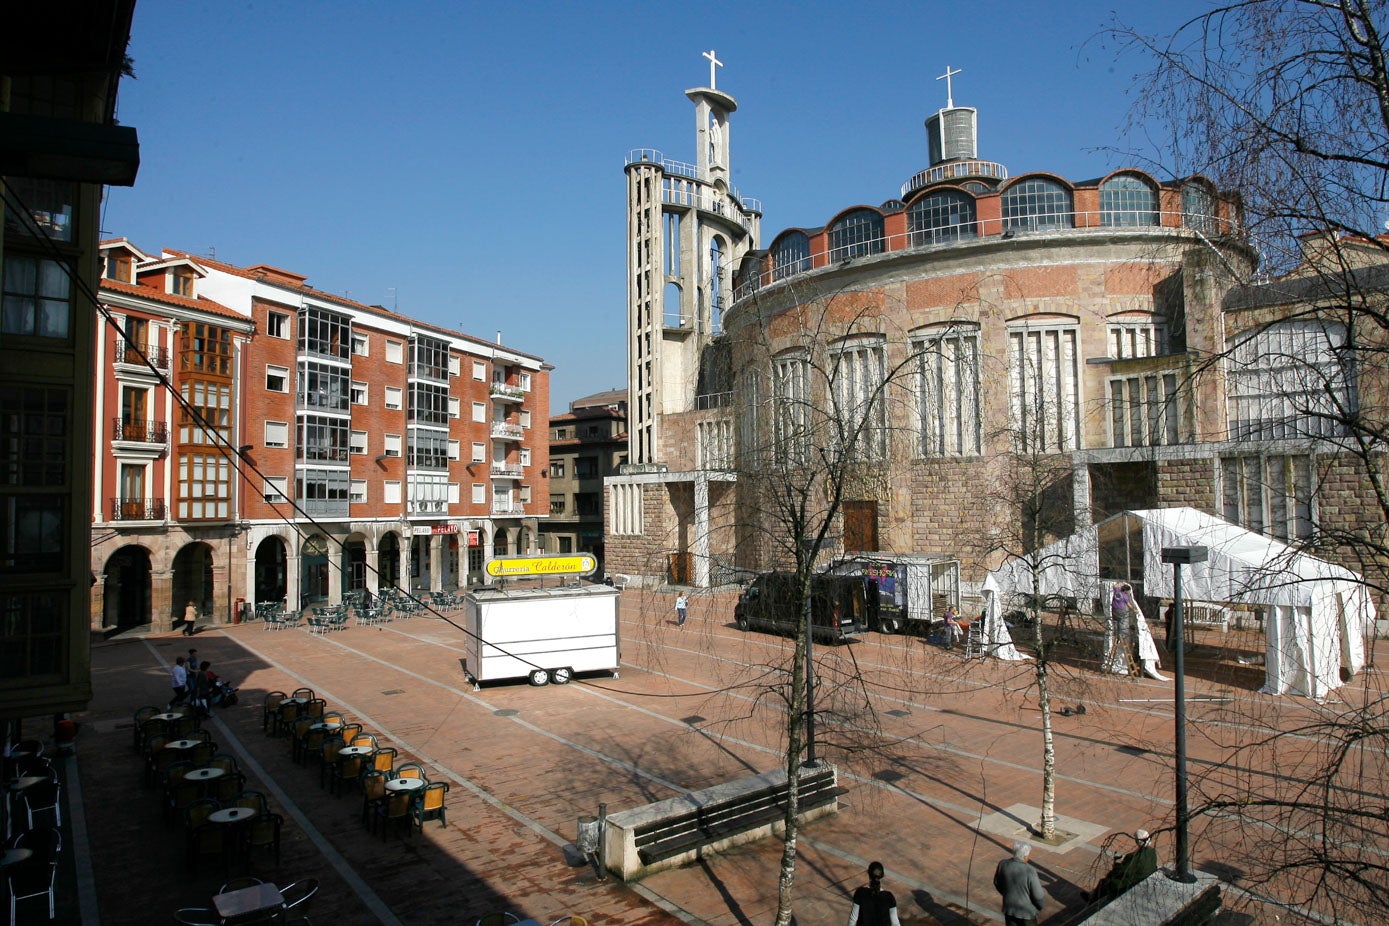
206	839
202	753
251	800
148	729
498	918
236	884
298	895
197	916
197	812
312	744
332	717
411	770
27	880
329	758
179	797
349	770
46	842
285	717
395	810
270	709
159	759
349	732
305	693
373	795
364	739
383	760
430	804
263	832
298	738
185	727
225	762
143	714
315	709
42	797
229	786
204	736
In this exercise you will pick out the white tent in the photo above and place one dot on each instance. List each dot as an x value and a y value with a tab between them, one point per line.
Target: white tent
1317	613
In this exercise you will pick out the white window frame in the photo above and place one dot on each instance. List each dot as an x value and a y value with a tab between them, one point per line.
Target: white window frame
858	382
277	325
627	509
455	407
390	492
357	492
275	489
455	365
391	447
281	431
395	351
479	493
479	452
1146	409
455	448
357	442
525	456
948	392
395	398
791	407
525	419
453	493
1293	379
480	371
282	373
361	337
480	412
523	380
1138	335
1045	386
364	390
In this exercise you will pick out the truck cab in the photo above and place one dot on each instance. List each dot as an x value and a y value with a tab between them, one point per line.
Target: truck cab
841	607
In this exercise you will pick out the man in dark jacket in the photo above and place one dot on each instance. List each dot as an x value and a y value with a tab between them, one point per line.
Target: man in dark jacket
1017	881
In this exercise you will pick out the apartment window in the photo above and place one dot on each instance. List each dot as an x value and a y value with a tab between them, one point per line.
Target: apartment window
525	495
556	469
791	406
429	358
556	504
585	467
1291	379
429	403
860	407
357	442
715	444
323	491
277	434
1037	204
588	505
276	489
205	348
390	492
277	325
181	282
524	381
1198	207
392	445
322	439
395	352
361	345
322	386
455	450
357	494
205	415
358	393
948	387
455	407
1144	336
857	234
525	418
1273	495
479	452
525	456
1127	201
428	449
1145	411
455	365
479	494
428	494
118	267
394	397
1044	387
325	334
204	486
277	379
479	371
479	411
48	209
946	215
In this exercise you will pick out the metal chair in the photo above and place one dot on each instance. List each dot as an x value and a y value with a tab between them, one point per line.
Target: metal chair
40	797
349	770
251	800
263	832
298	895
497	918
197	916
236	884
271	708
430	805
30	879
395	810
373	796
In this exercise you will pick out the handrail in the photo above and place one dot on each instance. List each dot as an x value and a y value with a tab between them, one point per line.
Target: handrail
146	432
983	230
131	353
137	509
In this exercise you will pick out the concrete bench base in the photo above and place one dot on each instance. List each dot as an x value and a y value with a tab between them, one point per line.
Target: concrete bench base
1158	900
624	858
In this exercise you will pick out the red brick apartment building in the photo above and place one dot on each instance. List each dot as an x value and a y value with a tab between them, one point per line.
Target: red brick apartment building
259	439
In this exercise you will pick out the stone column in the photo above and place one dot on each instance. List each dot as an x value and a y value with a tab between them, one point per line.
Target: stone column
1080	494
700	549
221	603
406	544
436	563
334	573
373	559
99	602
293	598
162	600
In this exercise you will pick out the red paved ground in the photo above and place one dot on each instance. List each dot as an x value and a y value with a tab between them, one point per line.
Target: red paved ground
939	743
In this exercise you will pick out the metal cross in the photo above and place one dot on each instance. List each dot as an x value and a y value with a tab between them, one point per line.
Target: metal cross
713	63
949	91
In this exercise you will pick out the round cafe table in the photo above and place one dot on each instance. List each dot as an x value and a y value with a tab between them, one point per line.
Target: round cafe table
231	815
204	774
28	781
405	784
15	856
167	716
182	744
295	701
356	751
328	726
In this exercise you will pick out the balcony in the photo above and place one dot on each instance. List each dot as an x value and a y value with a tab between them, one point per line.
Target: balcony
508	508
141	432
508	470
505	392
138	509
138	353
504	430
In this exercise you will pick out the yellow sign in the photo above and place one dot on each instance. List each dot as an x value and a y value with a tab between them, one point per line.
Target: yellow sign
579	564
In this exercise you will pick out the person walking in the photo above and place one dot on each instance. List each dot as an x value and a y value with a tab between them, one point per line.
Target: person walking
682	605
874	906
1016	880
179	680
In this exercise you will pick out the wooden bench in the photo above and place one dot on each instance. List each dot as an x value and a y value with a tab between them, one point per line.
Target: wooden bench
669	833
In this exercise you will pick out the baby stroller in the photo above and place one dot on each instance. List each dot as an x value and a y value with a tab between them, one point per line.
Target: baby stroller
223	694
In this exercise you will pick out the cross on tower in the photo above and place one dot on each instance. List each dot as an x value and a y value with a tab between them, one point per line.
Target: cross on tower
949	91
713	63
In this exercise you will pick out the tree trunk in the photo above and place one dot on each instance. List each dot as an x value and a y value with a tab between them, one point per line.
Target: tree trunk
1046	827
795	729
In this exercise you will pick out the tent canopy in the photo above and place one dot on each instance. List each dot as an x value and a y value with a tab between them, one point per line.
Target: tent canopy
1317	612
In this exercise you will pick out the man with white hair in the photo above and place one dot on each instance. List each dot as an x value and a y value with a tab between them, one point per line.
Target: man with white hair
1017	881
1128	870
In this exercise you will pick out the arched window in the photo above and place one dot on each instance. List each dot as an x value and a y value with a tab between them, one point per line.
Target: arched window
1127	201
856	234
1037	203
715	283
946	215
1198	207
790	255
671	314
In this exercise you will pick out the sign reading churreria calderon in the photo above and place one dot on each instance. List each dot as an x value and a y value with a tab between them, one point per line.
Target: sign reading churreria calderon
578	564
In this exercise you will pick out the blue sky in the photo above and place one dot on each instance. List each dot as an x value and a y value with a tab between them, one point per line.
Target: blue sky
463	161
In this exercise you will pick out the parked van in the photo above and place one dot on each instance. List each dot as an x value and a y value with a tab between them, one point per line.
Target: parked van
841	607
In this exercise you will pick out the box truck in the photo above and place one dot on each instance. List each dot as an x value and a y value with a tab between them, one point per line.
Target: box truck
541	634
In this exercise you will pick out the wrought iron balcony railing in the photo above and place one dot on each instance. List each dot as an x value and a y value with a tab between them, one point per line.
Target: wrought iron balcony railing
138	509
145	432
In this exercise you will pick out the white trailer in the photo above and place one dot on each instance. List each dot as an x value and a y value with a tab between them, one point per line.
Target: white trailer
541	634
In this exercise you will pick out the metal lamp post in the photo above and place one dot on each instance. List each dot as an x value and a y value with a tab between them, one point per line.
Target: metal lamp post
1178	557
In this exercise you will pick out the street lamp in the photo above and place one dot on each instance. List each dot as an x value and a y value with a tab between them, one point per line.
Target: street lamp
1178	557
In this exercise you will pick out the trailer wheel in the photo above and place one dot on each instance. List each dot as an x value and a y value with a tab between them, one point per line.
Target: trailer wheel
539	677
742	622
887	626
561	676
